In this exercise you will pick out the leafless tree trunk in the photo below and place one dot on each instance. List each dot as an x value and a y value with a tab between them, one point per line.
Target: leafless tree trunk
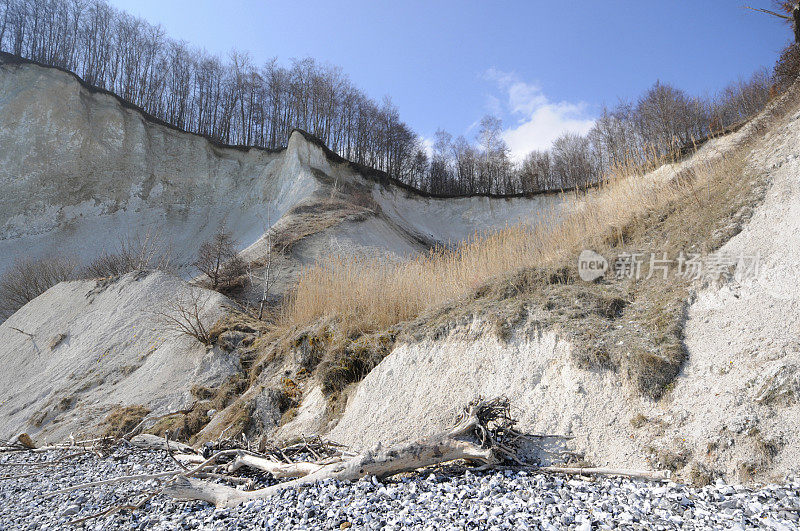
265	278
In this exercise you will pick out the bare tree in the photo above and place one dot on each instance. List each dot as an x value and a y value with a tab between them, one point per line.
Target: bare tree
667	118
219	260
265	278
183	314
573	164
741	99
494	161
440	161
536	172
466	164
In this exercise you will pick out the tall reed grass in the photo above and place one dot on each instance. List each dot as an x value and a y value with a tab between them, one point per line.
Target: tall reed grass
367	294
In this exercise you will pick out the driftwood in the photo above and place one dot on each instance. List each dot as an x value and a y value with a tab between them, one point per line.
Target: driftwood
476	437
658	475
278	469
22	443
484	435
154	442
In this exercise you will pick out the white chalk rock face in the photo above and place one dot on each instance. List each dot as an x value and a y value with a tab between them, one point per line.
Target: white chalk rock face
79	171
83	347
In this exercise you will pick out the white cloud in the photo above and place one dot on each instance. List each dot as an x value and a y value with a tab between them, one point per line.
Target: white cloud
539	121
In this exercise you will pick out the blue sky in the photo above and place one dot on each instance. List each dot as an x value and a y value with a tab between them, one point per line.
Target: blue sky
542	66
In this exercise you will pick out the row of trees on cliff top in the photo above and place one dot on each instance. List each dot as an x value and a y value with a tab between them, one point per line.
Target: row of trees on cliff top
235	101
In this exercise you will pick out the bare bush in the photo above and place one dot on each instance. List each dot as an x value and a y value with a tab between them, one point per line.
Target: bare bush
741	100
30	277
134	253
219	261
183	315
787	68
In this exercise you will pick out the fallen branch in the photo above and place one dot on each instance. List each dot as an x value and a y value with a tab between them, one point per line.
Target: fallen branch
145	477
43	449
171	455
656	475
192	459
23	332
112	481
154	442
232	479
118	508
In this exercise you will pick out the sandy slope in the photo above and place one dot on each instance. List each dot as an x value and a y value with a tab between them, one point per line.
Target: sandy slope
97	344
743	336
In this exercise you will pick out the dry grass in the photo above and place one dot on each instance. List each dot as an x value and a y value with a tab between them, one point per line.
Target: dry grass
312	218
632	327
372	294
184	427
122	419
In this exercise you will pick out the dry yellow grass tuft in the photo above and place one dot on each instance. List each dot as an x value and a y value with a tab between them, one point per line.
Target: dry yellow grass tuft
122	419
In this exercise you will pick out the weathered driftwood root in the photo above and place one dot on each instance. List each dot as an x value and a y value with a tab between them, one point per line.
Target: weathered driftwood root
473	438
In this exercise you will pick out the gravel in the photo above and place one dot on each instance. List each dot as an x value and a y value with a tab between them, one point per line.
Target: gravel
429	500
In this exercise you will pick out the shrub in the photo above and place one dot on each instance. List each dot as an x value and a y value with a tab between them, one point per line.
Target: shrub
183	315
218	260
788	67
133	253
30	277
